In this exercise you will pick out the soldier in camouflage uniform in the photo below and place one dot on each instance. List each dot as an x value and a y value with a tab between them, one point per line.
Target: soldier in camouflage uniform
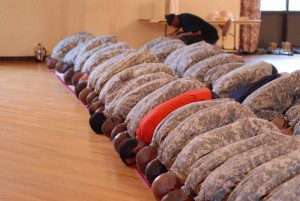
273	99
218	71
219	184
191	127
164	49
242	76
154	42
65	45
289	190
167	125
263	179
206	143
199	70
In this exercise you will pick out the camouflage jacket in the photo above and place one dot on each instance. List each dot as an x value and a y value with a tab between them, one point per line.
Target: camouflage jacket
113	99
157	97
67	44
197	124
293	115
81	59
199	69
215	139
154	42
266	177
113	59
274	98
289	190
208	163
118	80
179	115
194	57
221	181
215	73
125	104
164	49
132	59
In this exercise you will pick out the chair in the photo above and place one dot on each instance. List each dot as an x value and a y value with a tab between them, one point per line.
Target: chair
225	31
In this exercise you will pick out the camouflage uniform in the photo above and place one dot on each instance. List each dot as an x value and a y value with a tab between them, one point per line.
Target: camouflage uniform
154	42
274	98
133	59
67	44
290	190
179	115
174	55
164	49
237	79
198	124
114	57
267	176
187	50
80	59
196	56
72	54
208	163
157	97
215	73
199	69
222	180
112	100
212	140
293	117
125	104
118	80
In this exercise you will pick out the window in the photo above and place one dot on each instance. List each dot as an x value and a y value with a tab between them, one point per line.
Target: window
294	5
274	5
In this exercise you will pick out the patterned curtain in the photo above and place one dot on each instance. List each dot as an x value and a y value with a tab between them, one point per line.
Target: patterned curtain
249	34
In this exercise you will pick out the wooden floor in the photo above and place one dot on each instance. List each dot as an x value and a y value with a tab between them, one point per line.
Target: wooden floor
47	150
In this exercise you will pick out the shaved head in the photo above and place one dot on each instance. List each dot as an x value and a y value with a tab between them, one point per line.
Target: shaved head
96	121
126	150
154	169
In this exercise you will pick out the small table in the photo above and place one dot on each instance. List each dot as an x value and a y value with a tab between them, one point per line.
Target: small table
219	23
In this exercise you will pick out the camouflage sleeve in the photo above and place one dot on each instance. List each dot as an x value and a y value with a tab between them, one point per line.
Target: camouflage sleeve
289	190
97	41
133	59
67	44
98	70
293	115
125	104
118	80
159	96
259	182
220	183
177	116
199	69
186	50
154	42
80	59
202	145
297	128
228	84
221	70
194	57
204	166
274	98
198	124
164	49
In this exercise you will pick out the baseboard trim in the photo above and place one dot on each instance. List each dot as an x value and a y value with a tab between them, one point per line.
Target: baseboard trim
23	58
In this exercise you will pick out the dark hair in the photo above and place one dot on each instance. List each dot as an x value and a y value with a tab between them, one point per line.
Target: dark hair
170	18
96	121
154	169
126	149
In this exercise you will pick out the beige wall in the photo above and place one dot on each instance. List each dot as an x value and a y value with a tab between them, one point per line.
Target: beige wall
24	23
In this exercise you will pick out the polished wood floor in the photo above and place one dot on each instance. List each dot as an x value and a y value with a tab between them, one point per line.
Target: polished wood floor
47	150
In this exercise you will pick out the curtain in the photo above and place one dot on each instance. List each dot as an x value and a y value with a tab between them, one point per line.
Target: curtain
249	34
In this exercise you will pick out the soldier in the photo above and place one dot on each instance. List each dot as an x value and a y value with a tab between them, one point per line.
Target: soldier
273	99
154	42
212	140
64	46
196	124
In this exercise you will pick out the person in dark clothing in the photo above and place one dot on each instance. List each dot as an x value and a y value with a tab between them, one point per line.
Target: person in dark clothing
191	29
